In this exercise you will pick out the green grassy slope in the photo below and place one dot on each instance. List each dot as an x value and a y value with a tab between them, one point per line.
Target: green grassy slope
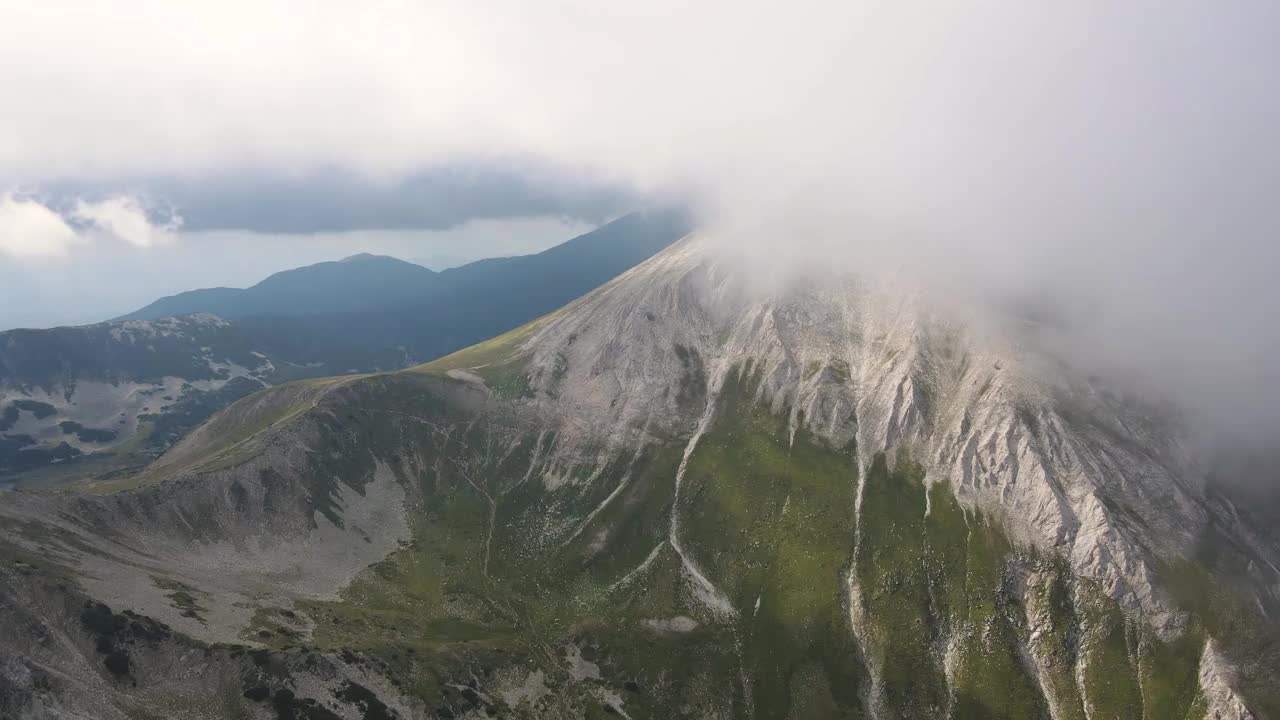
503	572
555	573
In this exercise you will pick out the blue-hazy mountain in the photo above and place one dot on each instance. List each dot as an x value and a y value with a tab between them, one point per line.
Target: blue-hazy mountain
78	401
372	304
358	282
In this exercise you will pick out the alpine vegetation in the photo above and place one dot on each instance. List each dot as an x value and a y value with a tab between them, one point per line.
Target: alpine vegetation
675	497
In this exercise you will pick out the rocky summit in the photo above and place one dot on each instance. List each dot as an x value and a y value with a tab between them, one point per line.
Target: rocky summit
680	496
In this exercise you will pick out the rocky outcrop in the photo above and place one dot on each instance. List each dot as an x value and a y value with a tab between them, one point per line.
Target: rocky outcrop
129	388
264	532
1101	480
680	494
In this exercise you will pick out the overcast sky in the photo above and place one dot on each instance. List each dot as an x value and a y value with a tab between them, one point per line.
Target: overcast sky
1121	156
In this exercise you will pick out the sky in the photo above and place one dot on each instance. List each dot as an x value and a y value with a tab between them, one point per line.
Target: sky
1119	159
105	277
83	250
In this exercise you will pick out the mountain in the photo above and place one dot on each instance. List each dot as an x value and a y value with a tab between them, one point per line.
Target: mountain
678	496
86	401
127	388
353	287
465	305
356	283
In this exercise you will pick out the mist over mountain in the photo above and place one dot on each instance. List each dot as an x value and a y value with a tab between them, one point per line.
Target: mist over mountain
1044	148
954	396
675	495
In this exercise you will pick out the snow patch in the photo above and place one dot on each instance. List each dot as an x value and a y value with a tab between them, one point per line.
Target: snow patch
678	624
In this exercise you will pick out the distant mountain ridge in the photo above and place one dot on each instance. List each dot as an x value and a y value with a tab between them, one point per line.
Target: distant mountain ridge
357	282
468	304
366	282
123	390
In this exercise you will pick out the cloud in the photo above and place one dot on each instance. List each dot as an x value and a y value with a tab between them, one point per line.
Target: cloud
1118	159
335	200
31	230
927	111
124	218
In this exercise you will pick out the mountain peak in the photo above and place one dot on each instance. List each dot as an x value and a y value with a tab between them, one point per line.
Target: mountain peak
822	499
373	258
854	360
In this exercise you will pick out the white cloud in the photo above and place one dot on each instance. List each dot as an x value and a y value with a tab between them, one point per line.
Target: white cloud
1127	152
29	229
961	104
125	218
954	111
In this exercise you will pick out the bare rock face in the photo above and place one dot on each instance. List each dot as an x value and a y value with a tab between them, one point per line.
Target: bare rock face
203	553
680	494
128	387
1217	683
1104	482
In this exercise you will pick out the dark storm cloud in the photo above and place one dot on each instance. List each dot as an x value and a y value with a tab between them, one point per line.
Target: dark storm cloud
335	200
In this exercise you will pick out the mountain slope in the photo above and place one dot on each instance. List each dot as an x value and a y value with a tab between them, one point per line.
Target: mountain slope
675	497
109	396
479	300
358	282
128	388
349	288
